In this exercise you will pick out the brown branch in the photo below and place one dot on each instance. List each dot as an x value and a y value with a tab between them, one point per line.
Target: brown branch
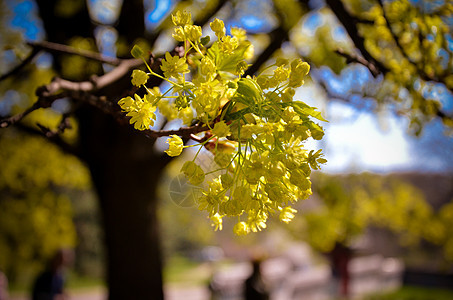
350	24
278	36
55	139
184	132
64	124
353	57
20	66
95	82
82	91
43	102
420	71
59	48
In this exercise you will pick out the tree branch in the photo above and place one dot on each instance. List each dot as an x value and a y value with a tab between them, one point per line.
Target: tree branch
85	92
278	36
185	132
54	139
59	48
420	70
42	102
353	57
20	66
350	24
82	91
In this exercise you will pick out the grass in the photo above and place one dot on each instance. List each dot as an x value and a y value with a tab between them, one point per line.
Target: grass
183	270
73	283
414	293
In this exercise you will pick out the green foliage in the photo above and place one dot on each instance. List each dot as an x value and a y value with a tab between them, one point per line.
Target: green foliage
36	214
349	204
411	43
440	229
414	293
422	36
256	131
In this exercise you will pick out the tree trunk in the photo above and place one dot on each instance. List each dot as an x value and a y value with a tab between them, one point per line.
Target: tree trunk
126	173
340	257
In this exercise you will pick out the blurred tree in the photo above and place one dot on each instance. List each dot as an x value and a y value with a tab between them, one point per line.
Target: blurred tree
36	213
347	206
404	59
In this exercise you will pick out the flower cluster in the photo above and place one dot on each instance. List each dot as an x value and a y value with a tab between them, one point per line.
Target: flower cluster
256	130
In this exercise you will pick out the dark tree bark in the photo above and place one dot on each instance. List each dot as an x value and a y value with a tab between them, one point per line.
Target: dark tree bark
125	172
340	257
131	24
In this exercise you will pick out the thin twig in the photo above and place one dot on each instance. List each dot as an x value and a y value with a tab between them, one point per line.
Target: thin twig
393	33
184	132
42	102
59	48
55	139
20	66
352	57
350	24
423	75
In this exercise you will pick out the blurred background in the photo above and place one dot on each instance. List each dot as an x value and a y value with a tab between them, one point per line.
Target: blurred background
379	224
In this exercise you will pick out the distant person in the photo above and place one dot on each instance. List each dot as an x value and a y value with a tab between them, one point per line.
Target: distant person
255	288
49	285
3	286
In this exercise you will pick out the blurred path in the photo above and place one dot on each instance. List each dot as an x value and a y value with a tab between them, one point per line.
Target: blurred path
173	292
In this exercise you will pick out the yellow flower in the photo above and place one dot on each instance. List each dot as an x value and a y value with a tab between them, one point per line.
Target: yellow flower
241	228
139	77
287	214
239	33
221	129
216	222
153	95
173	65
218	27
223	159
241	66
193	32
299	69
228	44
126	103
175	145
178	35
144	117
288	95
167	109
281	73
181	18
194	172
257	221
186	115
207	66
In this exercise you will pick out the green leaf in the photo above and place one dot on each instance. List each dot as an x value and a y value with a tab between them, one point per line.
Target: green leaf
250	89
205	40
214	53
238	114
137	52
302	108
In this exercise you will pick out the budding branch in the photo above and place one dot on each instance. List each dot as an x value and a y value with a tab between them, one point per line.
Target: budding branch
85	91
